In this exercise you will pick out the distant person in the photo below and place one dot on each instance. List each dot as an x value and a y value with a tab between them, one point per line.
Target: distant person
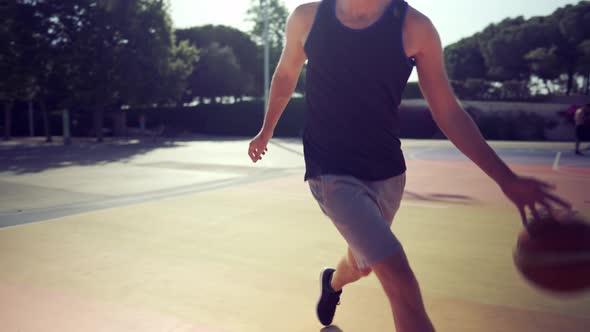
581	118
360	54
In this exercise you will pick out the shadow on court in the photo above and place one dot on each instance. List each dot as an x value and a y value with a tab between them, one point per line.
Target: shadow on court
331	328
440	197
38	157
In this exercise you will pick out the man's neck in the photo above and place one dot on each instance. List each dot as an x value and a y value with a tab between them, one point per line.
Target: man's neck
361	8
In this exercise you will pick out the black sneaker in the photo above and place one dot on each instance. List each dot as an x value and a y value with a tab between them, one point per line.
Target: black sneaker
328	299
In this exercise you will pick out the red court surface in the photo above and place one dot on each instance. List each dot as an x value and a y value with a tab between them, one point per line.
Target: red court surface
245	255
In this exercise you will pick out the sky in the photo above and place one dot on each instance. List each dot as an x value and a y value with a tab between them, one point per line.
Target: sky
454	19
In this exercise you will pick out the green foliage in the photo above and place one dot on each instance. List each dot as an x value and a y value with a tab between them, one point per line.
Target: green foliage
412	91
228	65
544	63
184	59
92	55
133	45
241	43
505	51
574	22
218	74
473	89
516	50
464	59
277	19
23	53
584	56
96	53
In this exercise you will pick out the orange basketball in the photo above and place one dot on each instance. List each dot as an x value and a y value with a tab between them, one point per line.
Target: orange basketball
554	255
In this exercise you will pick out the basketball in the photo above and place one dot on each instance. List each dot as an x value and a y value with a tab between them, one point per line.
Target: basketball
553	254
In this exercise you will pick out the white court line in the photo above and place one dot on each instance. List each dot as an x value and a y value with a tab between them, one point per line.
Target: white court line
556	161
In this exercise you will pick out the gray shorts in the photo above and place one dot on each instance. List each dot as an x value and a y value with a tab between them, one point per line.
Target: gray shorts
362	211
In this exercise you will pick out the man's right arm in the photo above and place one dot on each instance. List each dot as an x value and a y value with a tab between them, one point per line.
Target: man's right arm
284	79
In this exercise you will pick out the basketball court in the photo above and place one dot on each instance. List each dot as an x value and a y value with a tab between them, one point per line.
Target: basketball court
190	236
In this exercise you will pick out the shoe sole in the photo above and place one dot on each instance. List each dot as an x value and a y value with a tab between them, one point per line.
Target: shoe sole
321	292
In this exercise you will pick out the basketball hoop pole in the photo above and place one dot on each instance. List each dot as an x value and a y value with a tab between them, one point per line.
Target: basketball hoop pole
266	56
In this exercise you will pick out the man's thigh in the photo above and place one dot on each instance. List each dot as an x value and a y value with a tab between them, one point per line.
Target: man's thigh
354	209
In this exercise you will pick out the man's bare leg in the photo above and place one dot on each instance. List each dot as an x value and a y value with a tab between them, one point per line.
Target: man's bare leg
403	293
347	272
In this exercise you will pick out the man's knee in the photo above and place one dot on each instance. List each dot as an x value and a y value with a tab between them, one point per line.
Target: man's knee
363	272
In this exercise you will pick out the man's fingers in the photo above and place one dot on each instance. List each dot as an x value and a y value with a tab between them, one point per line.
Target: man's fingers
548	209
255	151
253	154
545	185
558	200
534	212
522	215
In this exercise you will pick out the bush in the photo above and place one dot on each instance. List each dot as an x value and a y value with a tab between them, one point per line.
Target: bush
412	91
516	126
239	119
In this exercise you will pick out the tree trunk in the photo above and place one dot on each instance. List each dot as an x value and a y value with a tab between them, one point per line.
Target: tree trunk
570	81
8	120
98	123
31	119
66	127
46	122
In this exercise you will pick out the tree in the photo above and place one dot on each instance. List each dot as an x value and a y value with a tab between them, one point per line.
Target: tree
584	63
464	59
32	37
573	22
153	67
218	74
90	55
10	81
545	64
184	59
135	52
242	44
505	51
243	49
518	50
495	46
277	19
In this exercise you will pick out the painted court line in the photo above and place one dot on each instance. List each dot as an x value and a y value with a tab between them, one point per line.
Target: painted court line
556	161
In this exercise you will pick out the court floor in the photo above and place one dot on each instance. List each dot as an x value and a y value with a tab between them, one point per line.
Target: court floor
241	248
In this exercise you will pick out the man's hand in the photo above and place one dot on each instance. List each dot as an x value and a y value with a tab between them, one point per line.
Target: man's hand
532	194
258	147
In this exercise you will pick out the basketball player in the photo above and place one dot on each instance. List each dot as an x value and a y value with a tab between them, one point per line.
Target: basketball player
360	55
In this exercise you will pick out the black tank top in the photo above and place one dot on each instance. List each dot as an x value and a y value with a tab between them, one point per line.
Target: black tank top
354	83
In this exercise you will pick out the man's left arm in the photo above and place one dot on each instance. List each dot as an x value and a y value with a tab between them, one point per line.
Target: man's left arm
460	129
